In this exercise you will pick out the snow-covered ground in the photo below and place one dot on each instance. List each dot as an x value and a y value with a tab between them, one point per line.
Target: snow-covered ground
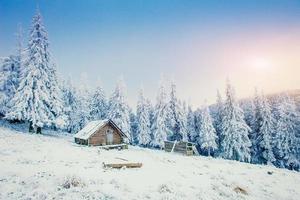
39	167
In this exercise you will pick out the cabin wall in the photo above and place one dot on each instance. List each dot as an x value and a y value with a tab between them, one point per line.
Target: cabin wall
99	138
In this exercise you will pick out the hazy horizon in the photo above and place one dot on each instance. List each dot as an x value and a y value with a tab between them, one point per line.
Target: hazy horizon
199	44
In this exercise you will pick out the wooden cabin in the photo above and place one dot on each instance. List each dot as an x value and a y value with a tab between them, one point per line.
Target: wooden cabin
186	148
100	133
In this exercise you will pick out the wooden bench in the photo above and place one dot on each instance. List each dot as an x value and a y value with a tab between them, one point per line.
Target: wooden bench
186	148
121	165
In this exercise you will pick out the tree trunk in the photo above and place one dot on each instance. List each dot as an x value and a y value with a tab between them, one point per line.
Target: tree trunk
39	130
31	128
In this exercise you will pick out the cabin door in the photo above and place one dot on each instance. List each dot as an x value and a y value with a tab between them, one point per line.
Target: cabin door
109	137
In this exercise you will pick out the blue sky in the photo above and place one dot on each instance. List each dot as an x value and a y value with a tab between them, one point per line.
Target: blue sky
197	43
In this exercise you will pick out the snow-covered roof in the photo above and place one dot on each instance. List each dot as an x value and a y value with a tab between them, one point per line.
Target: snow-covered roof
90	129
93	126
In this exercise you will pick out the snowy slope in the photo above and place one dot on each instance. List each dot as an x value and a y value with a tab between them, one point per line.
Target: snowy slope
36	167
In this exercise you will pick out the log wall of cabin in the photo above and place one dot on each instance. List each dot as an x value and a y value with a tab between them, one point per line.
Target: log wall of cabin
99	138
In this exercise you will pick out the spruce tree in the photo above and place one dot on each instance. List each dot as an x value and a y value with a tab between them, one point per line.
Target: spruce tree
285	146
255	127
98	104
151	111
197	121
207	133
176	117
235	143
10	69
37	99
185	114
159	126
83	100
75	107
8	82
20	48
143	121
218	116
264	148
119	109
133	126
191	132
69	102
249	110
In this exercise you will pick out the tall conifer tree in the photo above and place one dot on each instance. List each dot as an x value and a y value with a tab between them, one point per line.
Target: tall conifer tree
235	143
37	99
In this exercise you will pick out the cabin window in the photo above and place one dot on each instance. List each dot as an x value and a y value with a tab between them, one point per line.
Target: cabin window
109	136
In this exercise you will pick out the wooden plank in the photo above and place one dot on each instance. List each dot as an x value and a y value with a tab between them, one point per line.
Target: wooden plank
176	149
173	146
168	146
121	165
114	146
196	151
180	149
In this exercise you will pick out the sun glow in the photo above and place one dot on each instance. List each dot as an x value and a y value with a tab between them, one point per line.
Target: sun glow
260	63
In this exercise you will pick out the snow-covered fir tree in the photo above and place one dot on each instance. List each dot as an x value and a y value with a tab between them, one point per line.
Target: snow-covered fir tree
207	133
191	132
256	123
184	108
235	143
249	111
218	116
262	125
83	101
159	126
133	126
56	99
197	122
176	117
285	147
151	111
143	121
79	112
119	109
264	151
8	82
37	99
98	104
21	52
185	114
10	68
70	106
